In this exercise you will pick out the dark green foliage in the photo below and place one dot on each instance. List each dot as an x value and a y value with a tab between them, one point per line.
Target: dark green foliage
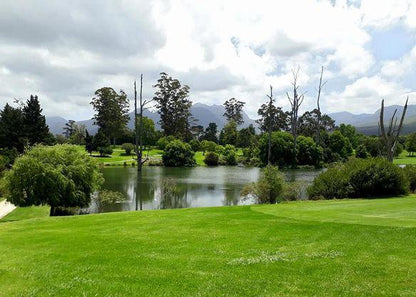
58	176
349	132
101	142
361	152
173	106
148	131
210	133
177	154
111	111
279	119
283	153
164	141
308	152
269	186
34	123
308	123
229	133
340	145
410	171
127	147
69	128
230	155
195	145
89	145
360	178
211	159
233	111
11	128
373	145
246	137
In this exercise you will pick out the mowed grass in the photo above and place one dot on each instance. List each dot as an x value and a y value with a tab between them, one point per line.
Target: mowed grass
405	159
324	248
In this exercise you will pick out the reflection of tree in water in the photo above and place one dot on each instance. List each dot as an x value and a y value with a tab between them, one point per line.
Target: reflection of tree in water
231	195
144	191
173	195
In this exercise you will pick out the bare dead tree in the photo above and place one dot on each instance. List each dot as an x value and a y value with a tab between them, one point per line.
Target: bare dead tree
318	124
138	125
295	102
269	153
391	135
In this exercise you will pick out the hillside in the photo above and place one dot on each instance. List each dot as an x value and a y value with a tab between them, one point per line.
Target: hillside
314	248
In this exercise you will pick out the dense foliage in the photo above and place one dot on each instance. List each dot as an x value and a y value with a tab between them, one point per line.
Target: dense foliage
59	176
177	154
308	152
211	159
360	178
283	152
127	147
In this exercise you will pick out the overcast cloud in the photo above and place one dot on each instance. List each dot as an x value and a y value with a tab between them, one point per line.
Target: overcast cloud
65	50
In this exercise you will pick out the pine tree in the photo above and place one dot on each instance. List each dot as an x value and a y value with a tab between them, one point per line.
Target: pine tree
34	123
11	128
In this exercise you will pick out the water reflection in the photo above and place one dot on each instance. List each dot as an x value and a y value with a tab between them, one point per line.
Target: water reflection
162	187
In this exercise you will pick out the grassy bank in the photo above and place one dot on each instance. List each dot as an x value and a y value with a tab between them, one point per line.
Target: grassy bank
405	159
324	248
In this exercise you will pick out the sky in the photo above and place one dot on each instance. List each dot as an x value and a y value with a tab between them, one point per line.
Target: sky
64	51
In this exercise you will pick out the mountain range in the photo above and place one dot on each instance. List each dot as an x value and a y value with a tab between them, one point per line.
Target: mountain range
366	123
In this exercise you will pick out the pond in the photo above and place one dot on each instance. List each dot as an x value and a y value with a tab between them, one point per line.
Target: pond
164	187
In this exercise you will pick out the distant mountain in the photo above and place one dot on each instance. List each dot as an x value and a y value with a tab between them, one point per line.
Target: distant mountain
368	123
204	114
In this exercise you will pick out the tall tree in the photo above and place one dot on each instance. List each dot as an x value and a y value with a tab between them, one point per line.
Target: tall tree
233	110
11	128
295	102
318	105
173	105
69	128
111	111
312	121
34	123
391	135
274	117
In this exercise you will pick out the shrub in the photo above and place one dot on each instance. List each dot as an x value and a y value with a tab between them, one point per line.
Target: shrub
195	145
283	153
309	153
211	159
230	155
178	154
105	150
361	152
208	146
292	191
268	188
410	171
127	147
164	141
362	178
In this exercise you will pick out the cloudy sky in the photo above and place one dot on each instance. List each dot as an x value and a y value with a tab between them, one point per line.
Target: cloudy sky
65	50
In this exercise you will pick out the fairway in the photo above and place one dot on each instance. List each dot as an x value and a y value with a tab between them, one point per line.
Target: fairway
321	248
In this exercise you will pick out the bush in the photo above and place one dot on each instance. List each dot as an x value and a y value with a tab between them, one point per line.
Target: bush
177	154
208	146
195	145
283	152
360	178
268	188
211	159
410	171
292	191
105	151
361	152
127	147
230	155
308	153
164	141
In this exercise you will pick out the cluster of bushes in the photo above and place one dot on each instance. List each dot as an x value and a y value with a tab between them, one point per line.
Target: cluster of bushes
177	154
363	178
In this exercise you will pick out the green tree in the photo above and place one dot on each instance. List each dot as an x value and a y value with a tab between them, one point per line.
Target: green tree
78	134
283	152
59	176
69	128
173	106
246	136
310	122
89	144
101	143
308	152
34	123
230	155
210	133
340	145
229	133
178	154
111	111
233	110
148	132
350	132
208	146
11	128
279	119
411	143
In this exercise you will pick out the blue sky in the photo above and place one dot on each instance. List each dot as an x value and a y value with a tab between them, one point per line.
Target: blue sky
65	51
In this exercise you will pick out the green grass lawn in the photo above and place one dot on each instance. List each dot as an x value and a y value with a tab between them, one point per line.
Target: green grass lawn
323	248
405	159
